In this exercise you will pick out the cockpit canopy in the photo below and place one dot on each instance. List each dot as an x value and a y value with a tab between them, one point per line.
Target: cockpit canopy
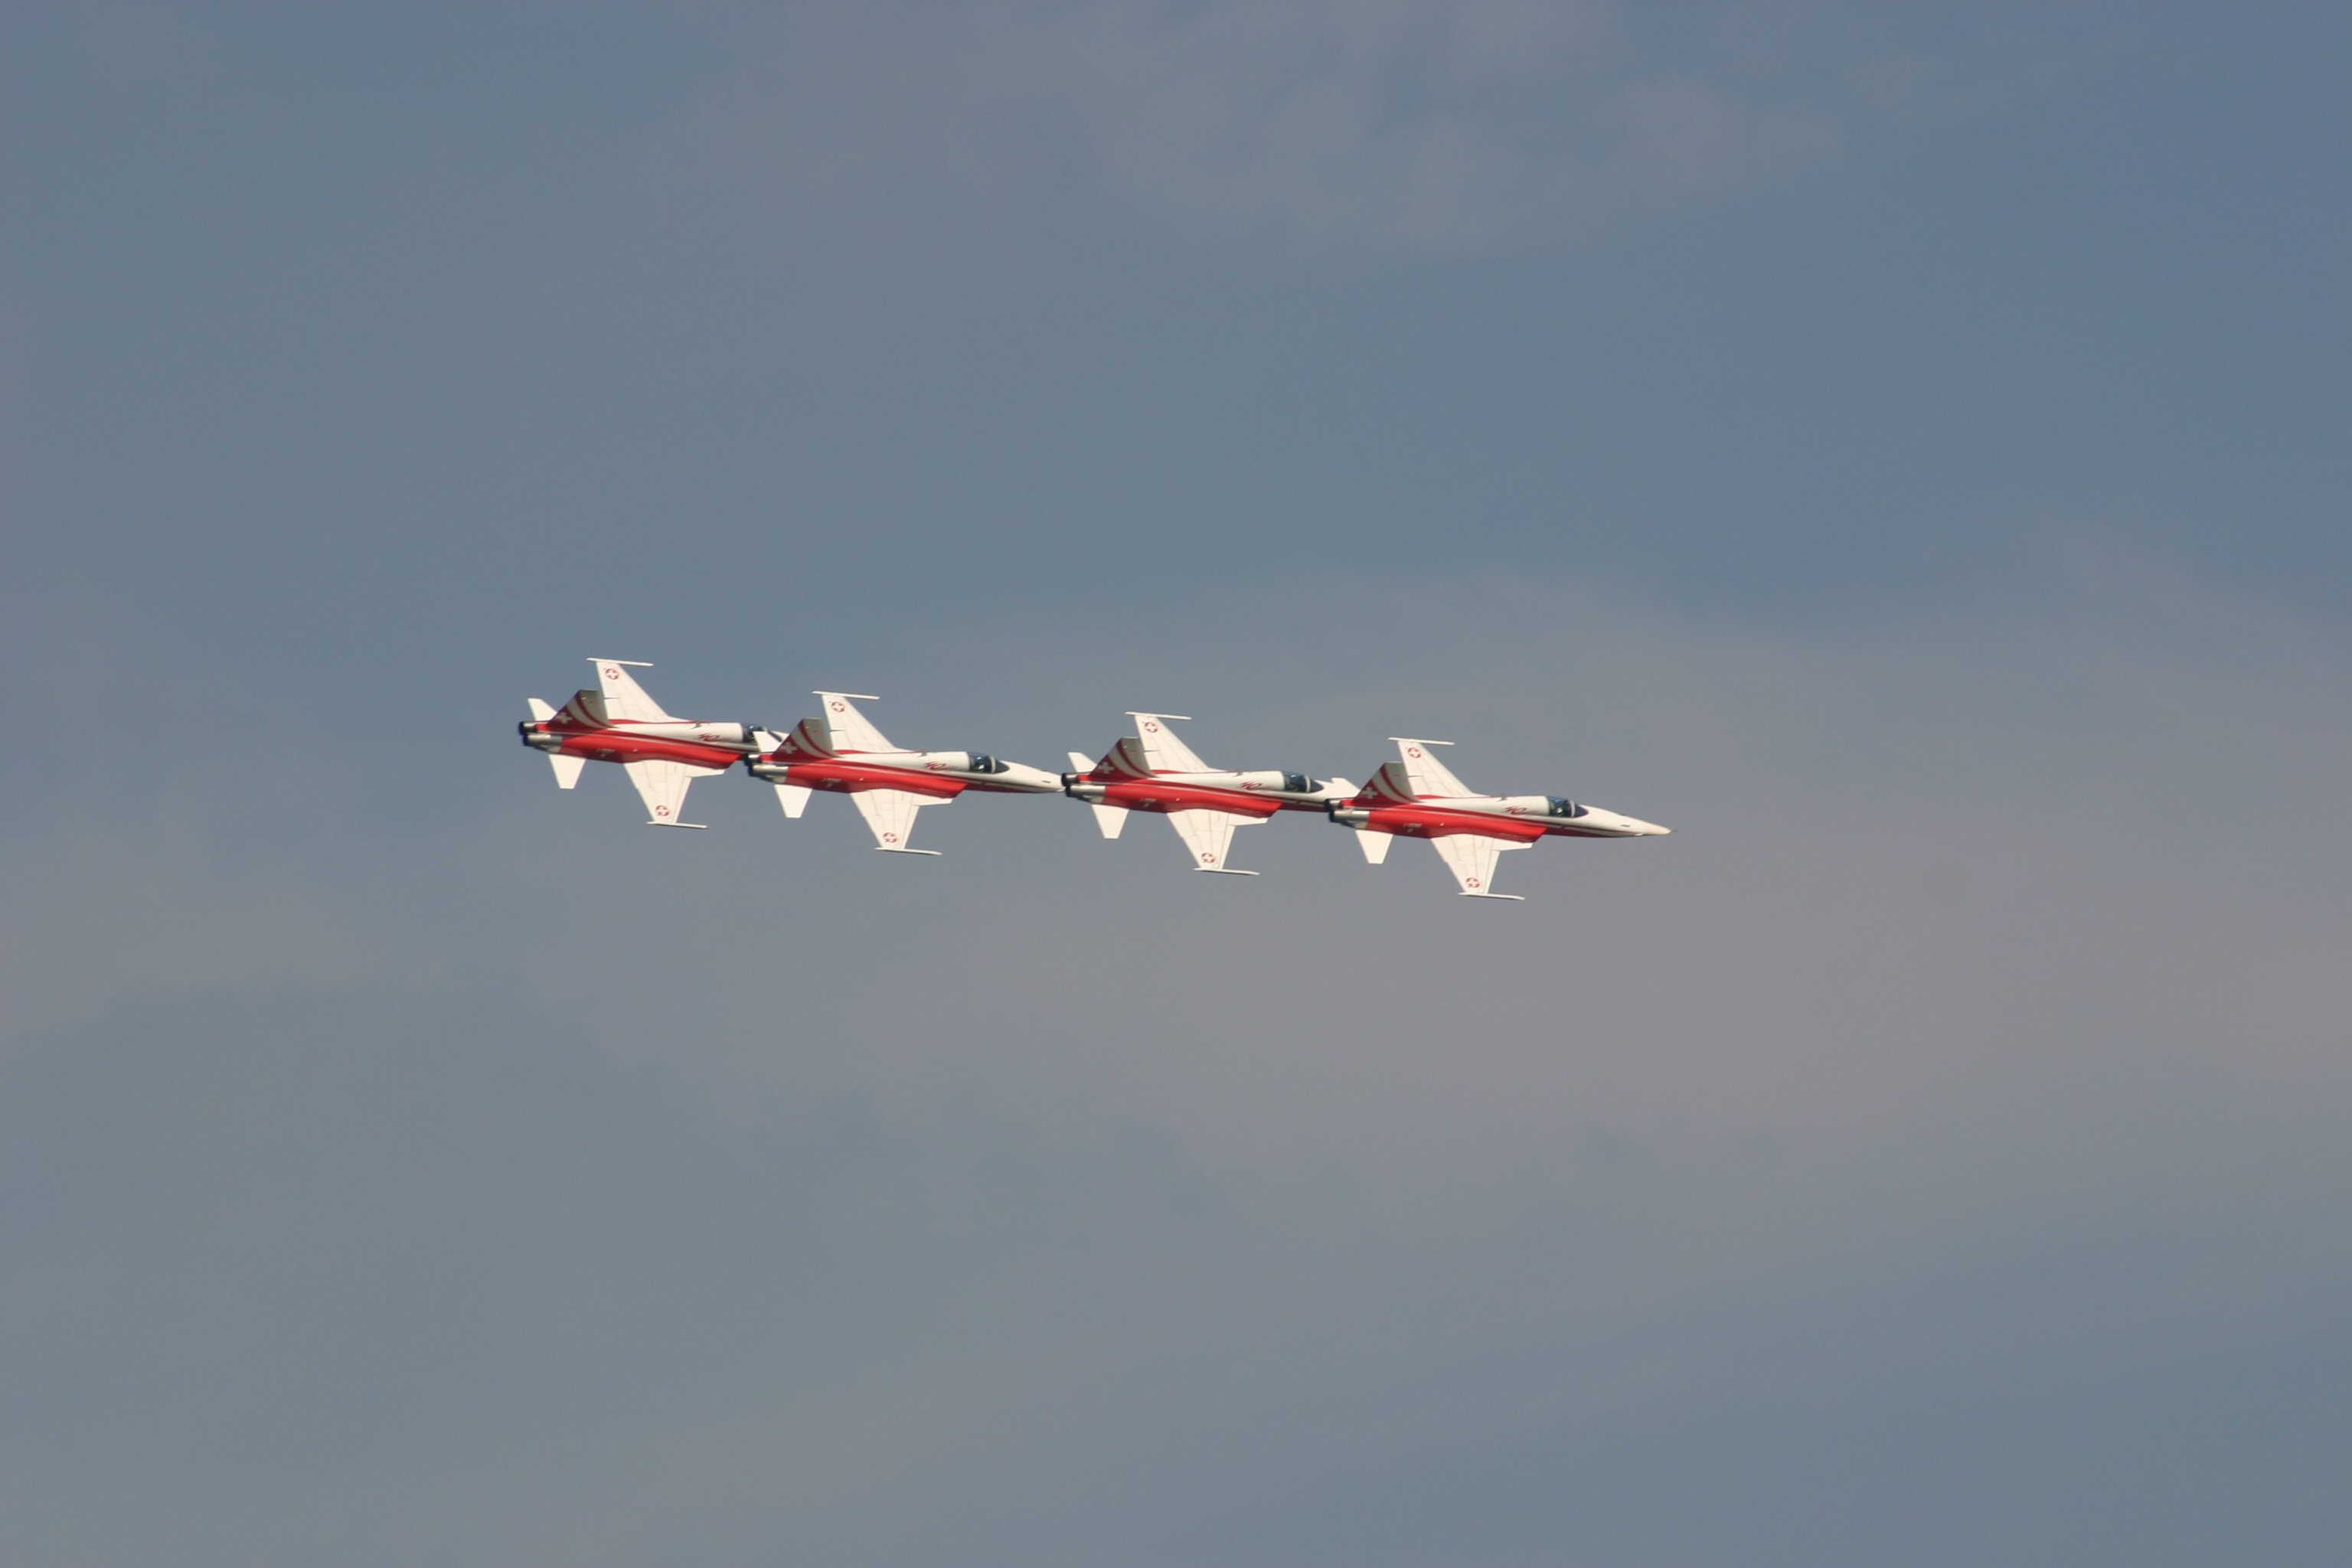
1563	806
1300	783
982	762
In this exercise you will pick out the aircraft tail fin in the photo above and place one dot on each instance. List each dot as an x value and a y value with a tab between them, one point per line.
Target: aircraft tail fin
586	708
624	698
1388	785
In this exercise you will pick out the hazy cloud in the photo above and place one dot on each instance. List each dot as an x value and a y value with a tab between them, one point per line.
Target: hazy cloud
1400	124
1051	1198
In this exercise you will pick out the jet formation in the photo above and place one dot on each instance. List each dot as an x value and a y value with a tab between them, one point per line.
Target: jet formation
840	752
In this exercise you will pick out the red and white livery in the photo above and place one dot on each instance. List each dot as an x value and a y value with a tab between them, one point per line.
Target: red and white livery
1416	797
662	754
1152	770
840	750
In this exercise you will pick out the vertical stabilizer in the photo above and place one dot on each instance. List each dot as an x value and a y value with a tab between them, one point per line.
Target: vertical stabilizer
585	710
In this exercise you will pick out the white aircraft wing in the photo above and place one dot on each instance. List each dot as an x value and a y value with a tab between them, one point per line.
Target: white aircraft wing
1161	749
846	728
623	697
890	813
1471	858
1208	833
1430	777
662	785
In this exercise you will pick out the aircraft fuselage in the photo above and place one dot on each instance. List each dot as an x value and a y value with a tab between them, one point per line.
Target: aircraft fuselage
714	745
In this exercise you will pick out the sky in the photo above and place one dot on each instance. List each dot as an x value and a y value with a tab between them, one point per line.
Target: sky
1901	450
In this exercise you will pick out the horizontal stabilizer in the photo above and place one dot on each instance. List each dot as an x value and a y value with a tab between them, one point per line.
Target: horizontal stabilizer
1374	844
793	798
567	769
1109	818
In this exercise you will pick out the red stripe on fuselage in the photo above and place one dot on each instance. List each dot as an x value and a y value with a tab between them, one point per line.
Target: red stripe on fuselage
614	746
849	777
1421	822
1156	794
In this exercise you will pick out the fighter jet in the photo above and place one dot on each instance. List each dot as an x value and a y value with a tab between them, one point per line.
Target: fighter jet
1417	797
662	754
840	750
1152	770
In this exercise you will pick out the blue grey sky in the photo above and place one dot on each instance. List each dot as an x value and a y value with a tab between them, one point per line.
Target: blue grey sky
1900	448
